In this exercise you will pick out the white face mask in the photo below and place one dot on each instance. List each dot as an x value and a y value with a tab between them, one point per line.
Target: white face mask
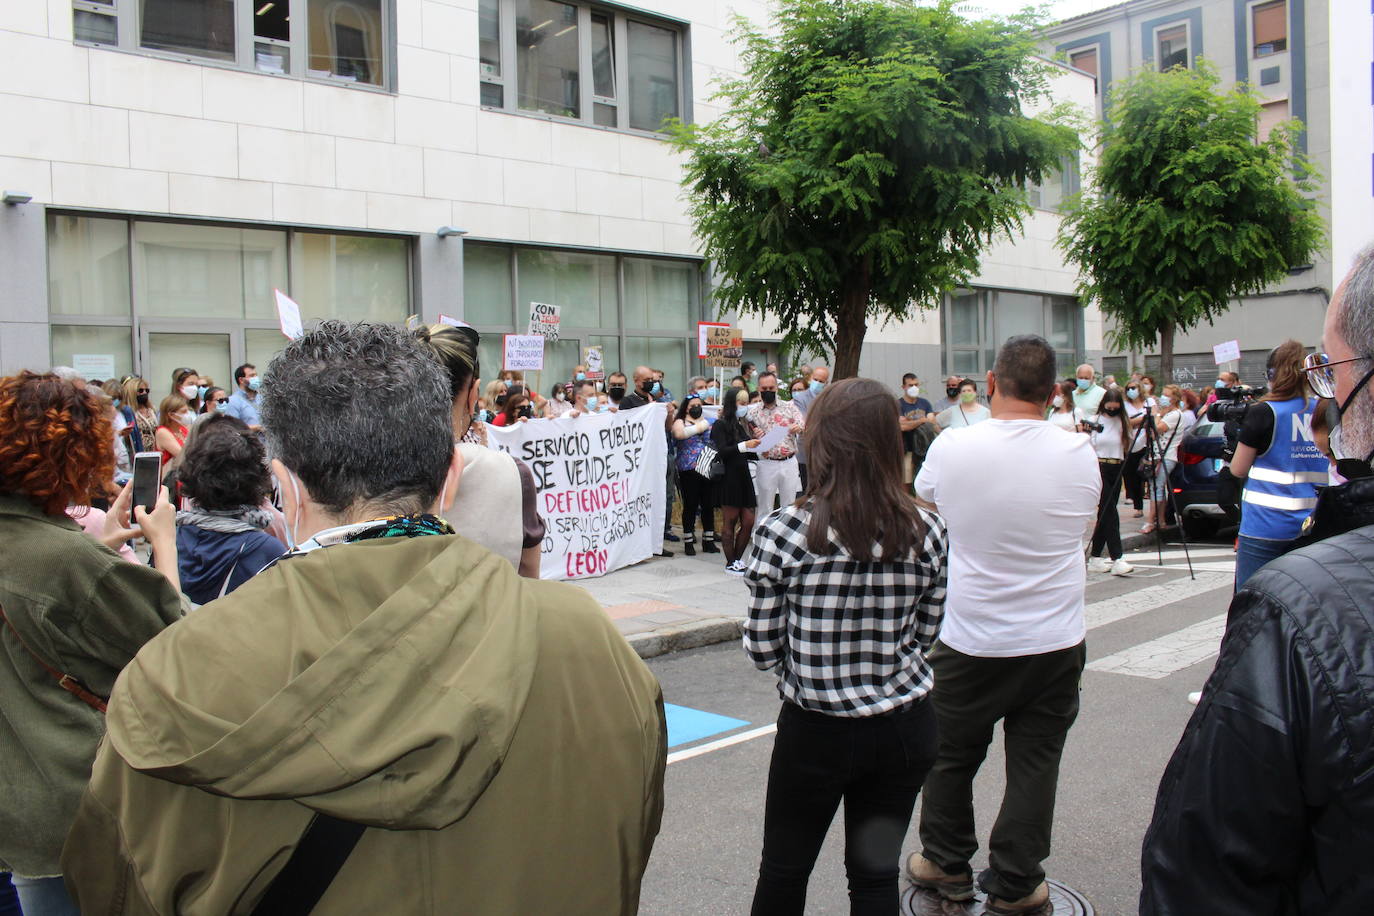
186	418
1146	387
560	396
189	392
913	391
1058	401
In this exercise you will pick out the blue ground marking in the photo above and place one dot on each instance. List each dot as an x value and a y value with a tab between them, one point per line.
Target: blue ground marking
686	725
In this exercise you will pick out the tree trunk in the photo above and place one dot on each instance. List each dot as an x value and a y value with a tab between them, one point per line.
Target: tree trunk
851	323
1166	355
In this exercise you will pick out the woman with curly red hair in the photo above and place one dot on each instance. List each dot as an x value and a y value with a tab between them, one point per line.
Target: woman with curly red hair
72	615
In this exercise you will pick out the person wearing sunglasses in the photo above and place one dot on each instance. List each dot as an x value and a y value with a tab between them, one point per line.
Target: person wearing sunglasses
142	415
1278	459
1267	805
215	402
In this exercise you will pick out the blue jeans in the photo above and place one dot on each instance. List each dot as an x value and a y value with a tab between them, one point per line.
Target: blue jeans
1253	553
44	897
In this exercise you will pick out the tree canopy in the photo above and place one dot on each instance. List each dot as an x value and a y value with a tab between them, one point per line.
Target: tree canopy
1188	208
867	155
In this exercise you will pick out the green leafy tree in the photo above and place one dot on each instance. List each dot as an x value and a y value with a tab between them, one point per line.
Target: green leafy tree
866	157
1188	208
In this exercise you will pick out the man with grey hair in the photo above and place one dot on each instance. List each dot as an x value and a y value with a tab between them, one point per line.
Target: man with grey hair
387	720
1088	396
1267	805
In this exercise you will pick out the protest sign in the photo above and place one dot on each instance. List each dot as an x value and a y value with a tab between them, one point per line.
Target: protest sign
702	328
545	320
595	362
524	352
599	480
724	347
289	316
1226	352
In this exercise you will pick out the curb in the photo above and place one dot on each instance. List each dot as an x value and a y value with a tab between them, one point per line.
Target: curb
688	636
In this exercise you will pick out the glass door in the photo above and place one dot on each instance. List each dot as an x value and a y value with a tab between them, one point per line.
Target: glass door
213	351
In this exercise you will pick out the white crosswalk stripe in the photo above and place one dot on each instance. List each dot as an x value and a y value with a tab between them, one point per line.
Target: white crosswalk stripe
1110	610
1172	652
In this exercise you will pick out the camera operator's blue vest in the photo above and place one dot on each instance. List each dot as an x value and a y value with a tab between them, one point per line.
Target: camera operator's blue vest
1281	490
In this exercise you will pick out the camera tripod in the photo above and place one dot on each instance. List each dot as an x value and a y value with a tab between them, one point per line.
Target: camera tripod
1147	427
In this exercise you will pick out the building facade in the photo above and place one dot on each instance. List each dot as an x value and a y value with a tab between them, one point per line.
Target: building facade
1307	59
167	164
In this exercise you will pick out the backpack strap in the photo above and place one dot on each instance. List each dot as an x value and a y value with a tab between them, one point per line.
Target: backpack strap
316	860
67	682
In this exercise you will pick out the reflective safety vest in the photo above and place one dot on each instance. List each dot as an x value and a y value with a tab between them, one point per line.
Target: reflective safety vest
1281	491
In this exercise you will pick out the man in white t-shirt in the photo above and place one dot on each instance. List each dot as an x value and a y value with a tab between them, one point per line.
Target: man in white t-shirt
1020	499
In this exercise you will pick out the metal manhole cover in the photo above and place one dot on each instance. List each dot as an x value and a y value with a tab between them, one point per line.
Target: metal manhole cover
1064	900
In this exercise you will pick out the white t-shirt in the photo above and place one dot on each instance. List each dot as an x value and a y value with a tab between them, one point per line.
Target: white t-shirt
1020	500
1067	419
1107	443
956	417
1175	427
1138	440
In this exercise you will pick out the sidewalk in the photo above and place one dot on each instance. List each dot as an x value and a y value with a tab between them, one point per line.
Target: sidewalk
667	604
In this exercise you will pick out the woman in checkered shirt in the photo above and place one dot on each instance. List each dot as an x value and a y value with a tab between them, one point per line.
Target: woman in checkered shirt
847	592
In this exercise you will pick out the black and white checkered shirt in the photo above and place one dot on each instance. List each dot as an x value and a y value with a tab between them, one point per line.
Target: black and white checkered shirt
848	635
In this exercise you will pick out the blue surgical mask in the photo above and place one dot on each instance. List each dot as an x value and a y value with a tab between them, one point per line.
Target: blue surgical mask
711	393
255	383
200	391
1164	400
508	382
117	402
581	377
657	389
1132	393
1084	383
1218	384
817	385
221	408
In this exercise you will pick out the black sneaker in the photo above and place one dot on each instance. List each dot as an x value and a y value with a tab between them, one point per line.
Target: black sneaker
669	536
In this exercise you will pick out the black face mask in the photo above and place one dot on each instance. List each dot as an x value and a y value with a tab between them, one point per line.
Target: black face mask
1111	411
526	411
951	393
694	411
143	399
768	397
1350	468
616	392
647	386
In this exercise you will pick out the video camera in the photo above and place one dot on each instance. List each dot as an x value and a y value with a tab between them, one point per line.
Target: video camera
1232	403
1090	427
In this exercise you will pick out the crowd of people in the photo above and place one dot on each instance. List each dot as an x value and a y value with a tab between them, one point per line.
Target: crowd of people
285	681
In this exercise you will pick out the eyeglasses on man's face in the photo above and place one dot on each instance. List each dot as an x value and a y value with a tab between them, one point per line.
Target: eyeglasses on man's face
1320	375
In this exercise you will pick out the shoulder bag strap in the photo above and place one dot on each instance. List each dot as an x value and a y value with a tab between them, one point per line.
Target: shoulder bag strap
67	682
316	860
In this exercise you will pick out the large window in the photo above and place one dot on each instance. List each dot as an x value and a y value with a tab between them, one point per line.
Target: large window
1269	28
1056	186
640	311
1171	47
569	60
977	321
334	40
148	295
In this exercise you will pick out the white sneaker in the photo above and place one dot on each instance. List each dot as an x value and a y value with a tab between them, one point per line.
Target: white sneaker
1099	565
1122	568
1195	697
735	569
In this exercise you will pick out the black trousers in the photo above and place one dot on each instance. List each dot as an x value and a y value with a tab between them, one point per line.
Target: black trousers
876	765
1135	486
1036	699
1108	531
696	494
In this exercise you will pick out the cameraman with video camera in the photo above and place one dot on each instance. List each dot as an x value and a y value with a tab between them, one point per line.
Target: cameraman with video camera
1278	460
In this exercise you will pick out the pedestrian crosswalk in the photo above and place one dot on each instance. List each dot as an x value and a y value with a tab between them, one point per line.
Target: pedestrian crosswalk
1166	654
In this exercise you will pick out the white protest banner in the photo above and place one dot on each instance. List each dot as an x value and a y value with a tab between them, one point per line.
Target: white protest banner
600	486
545	320
94	365
289	316
1226	352
524	352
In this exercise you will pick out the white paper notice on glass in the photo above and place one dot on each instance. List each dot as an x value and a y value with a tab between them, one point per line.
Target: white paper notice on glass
453	322
289	316
94	365
771	439
1227	352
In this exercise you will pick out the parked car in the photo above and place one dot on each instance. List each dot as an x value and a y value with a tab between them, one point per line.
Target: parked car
1204	491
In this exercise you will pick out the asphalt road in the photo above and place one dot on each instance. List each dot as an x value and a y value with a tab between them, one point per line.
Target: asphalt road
1158	625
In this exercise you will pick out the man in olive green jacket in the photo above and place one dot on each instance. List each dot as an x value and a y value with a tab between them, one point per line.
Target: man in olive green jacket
502	743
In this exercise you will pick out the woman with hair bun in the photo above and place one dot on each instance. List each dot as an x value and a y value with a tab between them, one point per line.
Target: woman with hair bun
496	503
72	615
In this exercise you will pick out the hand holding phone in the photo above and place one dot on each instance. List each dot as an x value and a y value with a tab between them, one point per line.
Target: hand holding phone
147	479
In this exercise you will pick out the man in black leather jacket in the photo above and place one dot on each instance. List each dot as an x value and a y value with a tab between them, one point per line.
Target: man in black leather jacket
1267	806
